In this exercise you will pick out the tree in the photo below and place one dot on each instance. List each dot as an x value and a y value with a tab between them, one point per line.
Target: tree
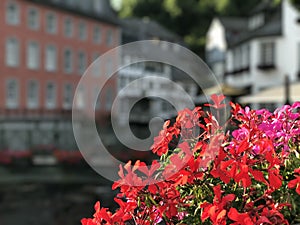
189	19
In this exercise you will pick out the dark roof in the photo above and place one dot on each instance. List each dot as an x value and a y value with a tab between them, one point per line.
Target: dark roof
84	8
237	30
135	29
262	6
234	23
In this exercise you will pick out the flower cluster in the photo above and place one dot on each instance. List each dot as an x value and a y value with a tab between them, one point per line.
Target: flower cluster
246	171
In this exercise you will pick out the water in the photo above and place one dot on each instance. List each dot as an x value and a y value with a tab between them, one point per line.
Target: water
51	196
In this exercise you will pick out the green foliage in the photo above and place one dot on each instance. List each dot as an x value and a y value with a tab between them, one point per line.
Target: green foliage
189	19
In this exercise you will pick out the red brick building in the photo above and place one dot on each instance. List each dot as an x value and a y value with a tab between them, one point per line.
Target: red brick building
45	47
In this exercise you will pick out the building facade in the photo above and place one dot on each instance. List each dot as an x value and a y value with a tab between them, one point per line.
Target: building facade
134	29
45	47
262	50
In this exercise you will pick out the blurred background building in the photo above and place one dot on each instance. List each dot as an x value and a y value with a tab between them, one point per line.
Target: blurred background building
254	53
46	46
135	29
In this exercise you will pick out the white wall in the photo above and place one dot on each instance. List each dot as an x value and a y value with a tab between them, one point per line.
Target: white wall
216	36
291	30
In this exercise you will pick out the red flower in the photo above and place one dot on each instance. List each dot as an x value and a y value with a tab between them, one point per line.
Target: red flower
217	100
217	210
296	182
239	218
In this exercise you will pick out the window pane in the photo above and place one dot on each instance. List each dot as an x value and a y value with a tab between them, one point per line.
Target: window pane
109	38
50	63
96	65
51	25
50	95
80	98
82	31
82	62
12	52
68	96
68	27
32	94
12	92
97	35
267	53
33	19
68	61
109	99
12	14
33	56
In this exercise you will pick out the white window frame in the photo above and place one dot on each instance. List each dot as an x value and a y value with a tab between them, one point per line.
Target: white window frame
32	95
33	23
68	66
51	26
50	98
33	55
12	52
50	58
12	102
12	18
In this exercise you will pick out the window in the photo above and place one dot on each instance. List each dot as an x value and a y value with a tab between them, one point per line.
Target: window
109	67
12	14
109	99
237	58
50	96
33	55
256	21
245	56
80	98
12	94
82	62
68	96
50	62
33	19
154	67
109	38
12	52
267	56
97	35
82	31
51	23
96	65
32	94
96	100
68	27
68	61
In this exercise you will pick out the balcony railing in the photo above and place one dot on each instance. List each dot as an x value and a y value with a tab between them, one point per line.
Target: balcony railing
266	66
33	113
237	71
